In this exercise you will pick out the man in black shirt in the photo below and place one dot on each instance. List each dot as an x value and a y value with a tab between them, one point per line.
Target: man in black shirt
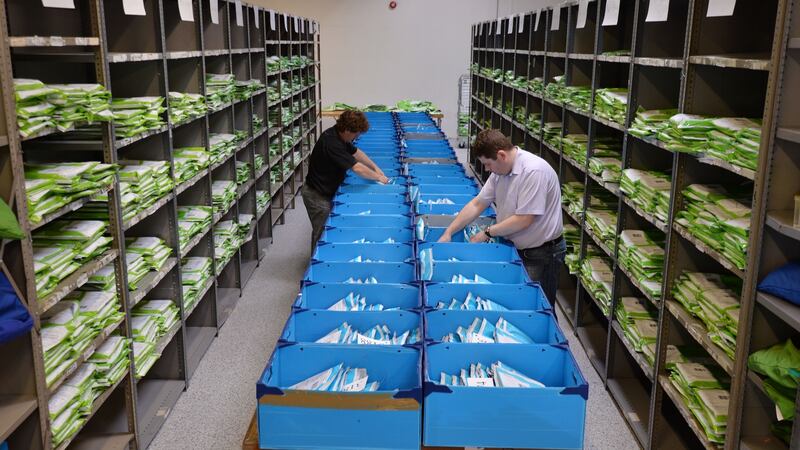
333	155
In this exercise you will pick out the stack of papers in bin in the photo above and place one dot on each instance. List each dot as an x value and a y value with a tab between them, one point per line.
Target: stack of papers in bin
111	360
226	242
245	223
648	190
735	140
597	277
189	161
368	280
262	200
61	247
136	115
338	379
195	273
648	123
714	299
552	133
476	279
686	133
638	320
192	220
151	321
472	303
144	357
718	218
223	195
50	186
641	253
185	106
258	162
575	147
377	335
43	108
221	145
555	89
219	89
572	196
606	159
704	390
497	375
602	224
147	182
258	123
483	332
67	409
534	123
138	268
536	85
611	104
245	89
578	96
102	280
154	250
242	172
356	302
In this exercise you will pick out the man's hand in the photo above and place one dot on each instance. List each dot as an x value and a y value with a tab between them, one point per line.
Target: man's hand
445	238
479	238
383	179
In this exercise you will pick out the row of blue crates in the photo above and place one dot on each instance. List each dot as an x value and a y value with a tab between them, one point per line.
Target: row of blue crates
411	408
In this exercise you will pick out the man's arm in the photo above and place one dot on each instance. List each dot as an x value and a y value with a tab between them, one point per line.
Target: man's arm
365	160
365	172
510	225
466	216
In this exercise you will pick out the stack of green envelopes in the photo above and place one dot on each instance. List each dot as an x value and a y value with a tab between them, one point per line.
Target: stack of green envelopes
602	223
144	357
552	133
80	103
67	409
275	174
221	145
192	220
686	133
111	361
648	190
572	197
416	106
534	123
259	162
242	172
189	161
714	299
223	195
262	200
704	390
274	95
578	96
195	273
226	242
779	367
258	123
719	218
137	269
185	106
136	115
98	209
611	104
677	354
220	89
154	250
61	247
572	235
641	253
244	222
575	147
648	123
102	280
638	319
34	111
151	320
148	180
735	140
597	277
556	89
274	64
239	136
608	168
50	186
244	89
536	85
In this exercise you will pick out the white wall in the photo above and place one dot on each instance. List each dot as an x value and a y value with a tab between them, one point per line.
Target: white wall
371	54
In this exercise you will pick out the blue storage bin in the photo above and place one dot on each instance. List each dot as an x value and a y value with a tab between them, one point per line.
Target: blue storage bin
352	177
373	220
459	199
389	418
310	326
386	165
548	417
500	273
325	295
372	188
449	210
444	189
340	272
435	143
375	252
371	198
446	180
435	169
540	326
370	235
372	208
471	252
515	297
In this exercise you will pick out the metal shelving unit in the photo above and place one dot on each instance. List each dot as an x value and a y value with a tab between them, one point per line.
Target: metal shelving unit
136	56
735	66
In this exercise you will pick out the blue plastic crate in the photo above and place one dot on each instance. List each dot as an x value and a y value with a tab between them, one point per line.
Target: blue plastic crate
373	188
371	198
373	220
370	235
449	210
449	170
471	252
372	208
500	273
459	199
325	295
540	326
548	417
340	272
415	190
374	252
352	178
515	297
310	326
446	180
389	418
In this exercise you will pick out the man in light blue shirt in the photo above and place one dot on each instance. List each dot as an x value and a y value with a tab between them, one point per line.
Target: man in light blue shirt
527	195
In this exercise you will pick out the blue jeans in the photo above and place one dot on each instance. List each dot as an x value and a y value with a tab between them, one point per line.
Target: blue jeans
544	264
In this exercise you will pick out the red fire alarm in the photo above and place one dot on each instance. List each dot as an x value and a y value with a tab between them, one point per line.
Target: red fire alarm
392	5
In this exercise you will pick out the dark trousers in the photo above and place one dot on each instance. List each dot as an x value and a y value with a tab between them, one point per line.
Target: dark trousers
544	264
318	208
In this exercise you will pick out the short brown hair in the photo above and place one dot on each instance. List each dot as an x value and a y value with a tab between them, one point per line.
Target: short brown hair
353	121
488	142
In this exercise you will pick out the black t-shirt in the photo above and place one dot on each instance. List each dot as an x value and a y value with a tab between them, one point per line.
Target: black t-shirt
329	162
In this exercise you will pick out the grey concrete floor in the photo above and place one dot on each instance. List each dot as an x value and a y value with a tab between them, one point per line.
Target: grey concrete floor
215	411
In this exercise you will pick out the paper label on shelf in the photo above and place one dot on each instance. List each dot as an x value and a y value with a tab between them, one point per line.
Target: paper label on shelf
778	413
556	18
133	7
510	25
536	22
521	26
611	17
720	8
302	26
64	4
498	27
657	11
583	9
366	340
257	16
272	20
296	24
475	30
213	6
286	22
185	10
239	13
480	382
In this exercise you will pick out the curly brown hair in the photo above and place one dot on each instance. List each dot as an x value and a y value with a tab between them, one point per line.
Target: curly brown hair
353	121
488	142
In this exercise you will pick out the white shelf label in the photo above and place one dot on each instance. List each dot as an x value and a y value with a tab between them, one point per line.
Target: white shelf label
257	16
556	18
213	6
498	27
658	11
296	24
475	30
536	26
185	10
63	4
720	8
521	27
286	22
239	13
510	25
133	7
272	20
611	17
583	9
